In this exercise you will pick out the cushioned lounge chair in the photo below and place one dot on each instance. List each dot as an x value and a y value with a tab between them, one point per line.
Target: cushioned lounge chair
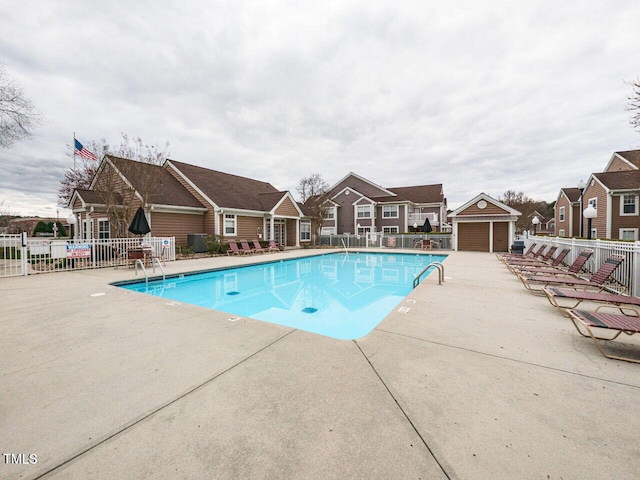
233	248
596	281
257	247
573	270
585	322
560	298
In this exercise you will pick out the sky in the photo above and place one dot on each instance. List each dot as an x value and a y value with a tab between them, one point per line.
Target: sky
483	96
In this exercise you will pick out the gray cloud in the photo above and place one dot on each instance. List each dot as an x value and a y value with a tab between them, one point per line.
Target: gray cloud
478	97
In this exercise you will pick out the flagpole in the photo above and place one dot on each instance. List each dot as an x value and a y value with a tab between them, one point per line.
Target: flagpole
73	149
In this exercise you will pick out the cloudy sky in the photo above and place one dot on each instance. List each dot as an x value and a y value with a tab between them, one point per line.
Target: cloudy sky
479	96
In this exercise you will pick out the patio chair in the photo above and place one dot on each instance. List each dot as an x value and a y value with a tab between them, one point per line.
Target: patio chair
573	270
585	322
558	297
246	248
597	280
233	248
257	247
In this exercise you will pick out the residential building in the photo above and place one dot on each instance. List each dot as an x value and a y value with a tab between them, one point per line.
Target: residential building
181	199
614	193
357	205
568	213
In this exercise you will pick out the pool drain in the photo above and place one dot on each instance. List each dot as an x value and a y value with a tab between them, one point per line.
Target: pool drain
233	293
309	310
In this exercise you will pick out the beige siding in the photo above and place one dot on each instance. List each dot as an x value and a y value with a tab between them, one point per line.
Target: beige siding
209	217
618	165
247	227
563	225
600	222
287	208
177	225
490	209
473	237
621	221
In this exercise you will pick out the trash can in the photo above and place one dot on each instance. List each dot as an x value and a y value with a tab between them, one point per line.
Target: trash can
517	247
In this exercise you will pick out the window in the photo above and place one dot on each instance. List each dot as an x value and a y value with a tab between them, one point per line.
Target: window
629	234
230	225
390	229
363	211
390	211
561	215
331	213
629	205
104	229
561	233
305	230
363	230
594	202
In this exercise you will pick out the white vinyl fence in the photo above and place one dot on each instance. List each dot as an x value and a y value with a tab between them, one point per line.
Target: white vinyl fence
20	255
385	240
627	274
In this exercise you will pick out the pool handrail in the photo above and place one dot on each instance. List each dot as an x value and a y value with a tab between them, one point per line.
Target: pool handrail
438	265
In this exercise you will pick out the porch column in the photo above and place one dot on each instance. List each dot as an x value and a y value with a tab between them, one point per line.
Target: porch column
490	237
272	232
297	232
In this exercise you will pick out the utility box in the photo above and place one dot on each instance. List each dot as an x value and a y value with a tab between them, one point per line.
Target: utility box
196	242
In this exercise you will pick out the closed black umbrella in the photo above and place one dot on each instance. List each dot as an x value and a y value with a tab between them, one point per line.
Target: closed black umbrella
427	226
139	224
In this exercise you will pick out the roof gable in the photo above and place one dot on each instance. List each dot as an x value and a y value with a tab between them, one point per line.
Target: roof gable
360	185
630	159
165	188
491	206
571	193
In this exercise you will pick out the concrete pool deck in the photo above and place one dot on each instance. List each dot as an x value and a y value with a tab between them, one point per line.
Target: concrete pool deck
478	380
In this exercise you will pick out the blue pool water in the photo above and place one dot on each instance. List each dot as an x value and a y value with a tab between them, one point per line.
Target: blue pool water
339	295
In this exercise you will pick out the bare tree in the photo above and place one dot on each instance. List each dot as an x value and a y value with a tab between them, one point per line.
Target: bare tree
634	104
17	114
523	204
131	148
312	190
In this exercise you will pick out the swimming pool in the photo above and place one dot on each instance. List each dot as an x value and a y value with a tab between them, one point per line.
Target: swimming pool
340	295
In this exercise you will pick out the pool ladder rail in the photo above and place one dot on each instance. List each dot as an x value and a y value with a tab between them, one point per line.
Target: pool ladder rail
153	265
438	265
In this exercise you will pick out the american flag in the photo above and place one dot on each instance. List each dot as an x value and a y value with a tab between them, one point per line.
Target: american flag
83	152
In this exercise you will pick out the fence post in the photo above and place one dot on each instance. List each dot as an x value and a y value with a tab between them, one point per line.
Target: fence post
635	280
23	254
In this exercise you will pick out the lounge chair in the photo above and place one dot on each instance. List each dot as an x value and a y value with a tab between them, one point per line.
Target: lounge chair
597	280
533	261
273	247
257	247
629	324
246	248
233	248
573	270
558	297
534	265
526	254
